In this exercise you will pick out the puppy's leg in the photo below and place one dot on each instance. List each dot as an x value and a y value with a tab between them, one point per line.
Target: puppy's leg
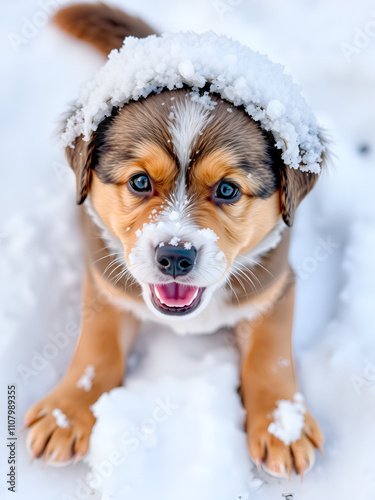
97	366
267	376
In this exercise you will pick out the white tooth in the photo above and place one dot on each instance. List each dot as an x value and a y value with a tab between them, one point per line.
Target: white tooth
193	297
157	294
162	301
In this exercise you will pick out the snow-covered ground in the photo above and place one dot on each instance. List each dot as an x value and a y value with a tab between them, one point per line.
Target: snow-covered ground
197	450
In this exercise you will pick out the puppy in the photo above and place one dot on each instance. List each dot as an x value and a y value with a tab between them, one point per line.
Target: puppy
217	177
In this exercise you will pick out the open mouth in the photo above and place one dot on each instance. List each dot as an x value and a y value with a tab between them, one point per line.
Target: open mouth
174	298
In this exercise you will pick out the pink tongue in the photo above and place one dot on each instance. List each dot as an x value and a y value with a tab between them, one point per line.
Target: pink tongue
175	294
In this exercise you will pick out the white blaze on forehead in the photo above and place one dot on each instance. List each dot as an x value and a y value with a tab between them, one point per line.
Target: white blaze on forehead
188	121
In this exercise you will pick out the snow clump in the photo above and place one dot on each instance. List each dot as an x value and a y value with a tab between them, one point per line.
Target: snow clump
239	75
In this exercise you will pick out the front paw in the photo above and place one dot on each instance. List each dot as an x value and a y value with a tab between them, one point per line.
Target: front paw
60	429
284	438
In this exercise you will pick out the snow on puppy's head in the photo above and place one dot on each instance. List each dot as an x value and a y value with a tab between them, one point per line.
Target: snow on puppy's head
239	75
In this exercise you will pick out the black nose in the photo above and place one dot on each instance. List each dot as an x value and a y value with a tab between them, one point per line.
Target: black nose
175	261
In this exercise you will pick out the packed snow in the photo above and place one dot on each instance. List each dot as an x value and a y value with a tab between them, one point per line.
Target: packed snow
199	451
288	419
220	255
208	233
284	362
85	381
234	71
203	405
174	241
61	419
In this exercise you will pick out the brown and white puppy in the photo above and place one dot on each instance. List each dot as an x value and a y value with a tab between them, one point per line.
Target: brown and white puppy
216	181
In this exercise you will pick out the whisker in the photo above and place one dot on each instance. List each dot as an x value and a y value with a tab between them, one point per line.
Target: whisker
113	270
240	282
238	267
120	275
113	262
105	256
227	280
247	279
251	261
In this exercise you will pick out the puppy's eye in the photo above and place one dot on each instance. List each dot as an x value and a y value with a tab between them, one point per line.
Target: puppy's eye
140	183
226	192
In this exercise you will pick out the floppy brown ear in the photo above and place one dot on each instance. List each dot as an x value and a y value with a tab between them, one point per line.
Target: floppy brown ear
85	155
294	186
81	158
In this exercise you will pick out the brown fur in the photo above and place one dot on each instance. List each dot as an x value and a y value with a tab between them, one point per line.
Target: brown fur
100	25
133	140
264	381
99	341
119	138
295	185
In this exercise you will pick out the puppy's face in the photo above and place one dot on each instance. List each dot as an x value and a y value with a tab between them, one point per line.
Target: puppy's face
186	187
